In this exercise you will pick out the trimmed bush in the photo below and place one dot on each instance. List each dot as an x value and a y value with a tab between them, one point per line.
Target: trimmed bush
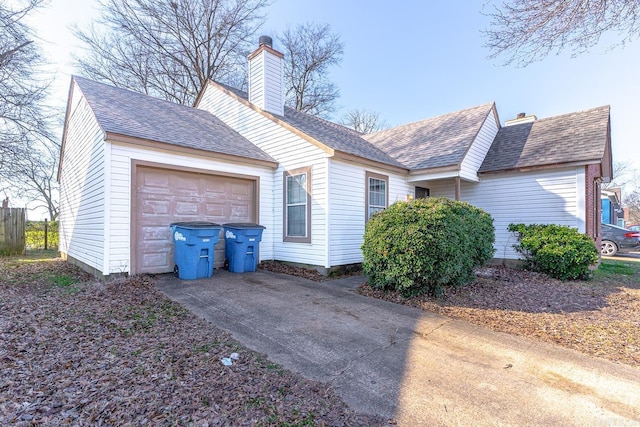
559	251
424	245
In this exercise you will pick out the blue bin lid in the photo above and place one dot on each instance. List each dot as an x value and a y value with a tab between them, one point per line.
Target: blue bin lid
195	224
244	225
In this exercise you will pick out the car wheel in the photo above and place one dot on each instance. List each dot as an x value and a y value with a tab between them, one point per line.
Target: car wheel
608	248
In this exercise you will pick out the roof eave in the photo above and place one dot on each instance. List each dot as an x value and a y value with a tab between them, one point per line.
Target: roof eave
149	143
431	174
341	155
542	167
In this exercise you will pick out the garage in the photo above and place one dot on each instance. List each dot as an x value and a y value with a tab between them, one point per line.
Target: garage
162	196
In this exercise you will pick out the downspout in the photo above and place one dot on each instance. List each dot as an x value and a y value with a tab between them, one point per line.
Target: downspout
457	188
327	255
106	232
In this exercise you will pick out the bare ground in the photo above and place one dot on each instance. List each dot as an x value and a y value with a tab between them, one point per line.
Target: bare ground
79	352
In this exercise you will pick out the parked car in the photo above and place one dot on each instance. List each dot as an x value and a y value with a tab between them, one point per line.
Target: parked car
635	227
617	239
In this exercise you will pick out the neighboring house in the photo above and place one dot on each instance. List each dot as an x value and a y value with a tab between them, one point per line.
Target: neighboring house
132	164
611	209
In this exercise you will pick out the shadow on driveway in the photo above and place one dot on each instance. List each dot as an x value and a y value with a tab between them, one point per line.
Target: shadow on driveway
404	364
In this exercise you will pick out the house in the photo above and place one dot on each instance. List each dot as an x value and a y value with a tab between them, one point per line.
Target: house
611	209
131	164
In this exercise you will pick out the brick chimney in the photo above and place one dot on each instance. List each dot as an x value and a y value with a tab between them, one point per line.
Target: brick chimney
521	118
266	80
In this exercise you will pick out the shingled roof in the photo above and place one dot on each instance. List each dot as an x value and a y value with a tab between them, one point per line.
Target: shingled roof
580	137
436	142
124	112
332	135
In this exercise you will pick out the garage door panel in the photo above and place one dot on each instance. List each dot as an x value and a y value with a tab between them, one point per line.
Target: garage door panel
155	260
187	186
156	207
165	196
214	188
240	191
239	211
154	184
216	210
187	207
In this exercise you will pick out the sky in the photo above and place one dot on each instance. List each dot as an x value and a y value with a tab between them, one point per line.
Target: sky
412	59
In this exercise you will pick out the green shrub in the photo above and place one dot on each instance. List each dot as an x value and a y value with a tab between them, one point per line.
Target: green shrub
423	245
559	251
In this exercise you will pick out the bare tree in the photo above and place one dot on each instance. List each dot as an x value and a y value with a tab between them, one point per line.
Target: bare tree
28	153
170	48
21	91
310	50
622	175
632	201
34	174
528	30
363	121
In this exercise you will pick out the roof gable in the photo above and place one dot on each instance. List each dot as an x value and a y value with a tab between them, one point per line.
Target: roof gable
576	138
332	136
433	143
132	114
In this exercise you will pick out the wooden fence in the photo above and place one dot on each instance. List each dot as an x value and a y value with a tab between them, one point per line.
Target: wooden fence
12	231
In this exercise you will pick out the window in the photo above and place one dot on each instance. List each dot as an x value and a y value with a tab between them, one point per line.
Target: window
297	202
377	196
421	193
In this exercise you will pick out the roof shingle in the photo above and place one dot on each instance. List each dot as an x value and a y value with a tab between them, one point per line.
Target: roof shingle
576	137
436	142
124	112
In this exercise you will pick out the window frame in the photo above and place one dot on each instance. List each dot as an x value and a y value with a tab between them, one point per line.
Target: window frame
418	189
291	173
380	177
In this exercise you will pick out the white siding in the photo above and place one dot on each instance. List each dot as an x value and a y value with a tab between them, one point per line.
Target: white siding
478	150
542	197
119	200
347	208
266	82
82	207
292	152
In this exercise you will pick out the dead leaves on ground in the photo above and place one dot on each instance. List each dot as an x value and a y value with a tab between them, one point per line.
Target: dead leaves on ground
80	352
598	319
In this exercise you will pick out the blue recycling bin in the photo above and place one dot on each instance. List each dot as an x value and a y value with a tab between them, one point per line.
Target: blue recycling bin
193	248
242	244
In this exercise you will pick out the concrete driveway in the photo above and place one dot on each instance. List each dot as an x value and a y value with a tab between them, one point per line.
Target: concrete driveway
408	365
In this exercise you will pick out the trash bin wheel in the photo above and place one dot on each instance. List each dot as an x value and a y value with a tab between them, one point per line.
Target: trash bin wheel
176	270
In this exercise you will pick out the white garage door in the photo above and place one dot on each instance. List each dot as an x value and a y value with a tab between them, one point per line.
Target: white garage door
164	196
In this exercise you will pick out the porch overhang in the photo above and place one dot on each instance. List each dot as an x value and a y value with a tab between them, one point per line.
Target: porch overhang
439	173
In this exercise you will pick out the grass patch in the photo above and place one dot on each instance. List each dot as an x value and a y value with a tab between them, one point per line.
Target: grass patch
63	280
614	270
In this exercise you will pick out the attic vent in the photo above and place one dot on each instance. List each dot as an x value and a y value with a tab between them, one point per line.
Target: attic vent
266	40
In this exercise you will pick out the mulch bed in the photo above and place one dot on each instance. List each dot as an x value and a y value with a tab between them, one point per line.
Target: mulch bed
80	352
